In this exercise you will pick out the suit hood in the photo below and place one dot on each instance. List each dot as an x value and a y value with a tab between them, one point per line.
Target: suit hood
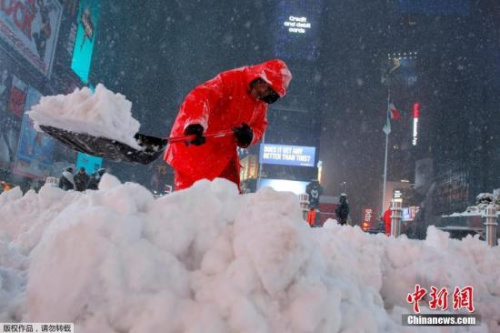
274	72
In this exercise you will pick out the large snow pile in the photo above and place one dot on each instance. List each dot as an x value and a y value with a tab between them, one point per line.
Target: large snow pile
207	259
102	113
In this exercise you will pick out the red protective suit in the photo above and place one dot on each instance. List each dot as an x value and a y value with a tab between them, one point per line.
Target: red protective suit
387	221
219	104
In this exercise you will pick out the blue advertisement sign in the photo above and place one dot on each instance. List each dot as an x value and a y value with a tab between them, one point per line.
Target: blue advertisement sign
35	149
90	163
88	15
408	72
287	155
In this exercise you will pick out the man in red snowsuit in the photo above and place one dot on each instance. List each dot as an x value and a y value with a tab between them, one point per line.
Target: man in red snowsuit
236	99
387	221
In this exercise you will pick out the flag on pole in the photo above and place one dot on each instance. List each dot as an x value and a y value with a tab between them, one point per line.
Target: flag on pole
393	112
387	126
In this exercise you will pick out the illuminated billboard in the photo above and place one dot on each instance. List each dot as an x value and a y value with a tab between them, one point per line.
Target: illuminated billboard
32	28
409	213
17	98
35	149
408	71
282	185
369	218
88	15
298	29
297	25
287	155
90	163
416	115
401	68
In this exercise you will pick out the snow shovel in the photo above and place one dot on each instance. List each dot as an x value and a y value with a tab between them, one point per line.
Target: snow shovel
152	147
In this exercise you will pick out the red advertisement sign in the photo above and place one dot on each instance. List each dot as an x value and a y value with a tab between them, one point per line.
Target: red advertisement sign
31	27
368	218
17	97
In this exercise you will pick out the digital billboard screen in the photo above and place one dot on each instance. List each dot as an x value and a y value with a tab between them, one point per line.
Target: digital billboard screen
90	163
401	69
17	98
408	71
88	15
287	155
298	29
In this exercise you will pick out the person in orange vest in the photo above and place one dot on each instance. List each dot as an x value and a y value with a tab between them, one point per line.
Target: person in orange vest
387	221
311	216
5	187
314	190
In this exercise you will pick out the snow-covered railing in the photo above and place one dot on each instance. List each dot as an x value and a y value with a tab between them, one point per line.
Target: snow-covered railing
485	222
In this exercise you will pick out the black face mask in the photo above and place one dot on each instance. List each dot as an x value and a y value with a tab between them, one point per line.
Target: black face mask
271	97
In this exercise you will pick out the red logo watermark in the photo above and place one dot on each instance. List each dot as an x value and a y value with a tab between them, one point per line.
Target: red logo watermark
463	298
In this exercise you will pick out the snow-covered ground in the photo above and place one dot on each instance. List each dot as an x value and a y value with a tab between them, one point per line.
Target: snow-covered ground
210	260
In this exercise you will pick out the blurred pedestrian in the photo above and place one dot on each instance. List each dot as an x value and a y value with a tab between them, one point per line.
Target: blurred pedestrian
314	190
81	180
387	221
311	217
95	179
5	186
342	210
66	181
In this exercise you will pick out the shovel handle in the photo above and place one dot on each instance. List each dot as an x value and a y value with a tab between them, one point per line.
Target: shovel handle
188	138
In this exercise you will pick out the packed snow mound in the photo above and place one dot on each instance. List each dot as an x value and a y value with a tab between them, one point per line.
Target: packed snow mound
207	259
102	113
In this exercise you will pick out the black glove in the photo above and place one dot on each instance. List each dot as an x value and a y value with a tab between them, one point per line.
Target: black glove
244	135
195	129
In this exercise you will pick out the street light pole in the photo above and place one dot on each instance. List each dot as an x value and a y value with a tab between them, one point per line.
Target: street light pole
343	187
387	132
